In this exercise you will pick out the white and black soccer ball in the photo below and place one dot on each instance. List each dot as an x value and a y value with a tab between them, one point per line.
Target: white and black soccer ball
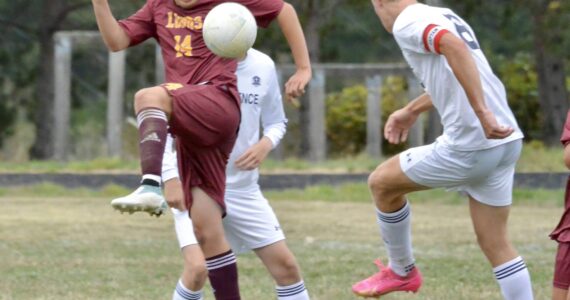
229	30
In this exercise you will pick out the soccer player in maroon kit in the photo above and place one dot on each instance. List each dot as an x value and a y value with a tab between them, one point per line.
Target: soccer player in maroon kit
200	106
561	234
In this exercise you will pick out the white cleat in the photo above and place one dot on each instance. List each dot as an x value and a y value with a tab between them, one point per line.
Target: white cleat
146	198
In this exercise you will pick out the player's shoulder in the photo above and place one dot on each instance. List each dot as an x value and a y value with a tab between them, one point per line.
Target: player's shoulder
418	15
259	59
260	56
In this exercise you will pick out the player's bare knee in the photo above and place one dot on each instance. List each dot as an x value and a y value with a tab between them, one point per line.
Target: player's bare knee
195	274
289	272
378	185
490	245
197	270
153	97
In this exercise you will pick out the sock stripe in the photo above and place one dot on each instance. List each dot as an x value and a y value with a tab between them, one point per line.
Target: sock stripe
150	113
510	267
182	291
221	261
394	219
290	291
512	270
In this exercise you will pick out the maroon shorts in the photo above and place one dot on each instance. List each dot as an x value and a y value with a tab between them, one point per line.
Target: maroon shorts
562	267
205	121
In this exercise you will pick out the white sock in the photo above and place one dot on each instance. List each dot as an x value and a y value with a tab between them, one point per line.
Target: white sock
396	232
182	293
514	280
296	291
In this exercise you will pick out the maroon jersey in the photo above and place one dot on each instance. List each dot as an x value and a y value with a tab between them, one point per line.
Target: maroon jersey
562	231
187	60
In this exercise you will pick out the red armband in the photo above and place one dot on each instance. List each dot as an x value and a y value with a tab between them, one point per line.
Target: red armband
431	37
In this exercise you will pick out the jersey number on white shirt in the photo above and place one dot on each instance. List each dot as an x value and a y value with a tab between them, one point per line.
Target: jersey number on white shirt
467	36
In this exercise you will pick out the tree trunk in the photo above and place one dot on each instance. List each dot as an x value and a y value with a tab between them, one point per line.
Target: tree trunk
43	115
551	79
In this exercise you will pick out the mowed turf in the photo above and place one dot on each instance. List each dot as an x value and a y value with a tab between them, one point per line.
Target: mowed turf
79	248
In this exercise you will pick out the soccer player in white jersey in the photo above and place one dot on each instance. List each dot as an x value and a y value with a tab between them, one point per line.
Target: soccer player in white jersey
250	223
476	154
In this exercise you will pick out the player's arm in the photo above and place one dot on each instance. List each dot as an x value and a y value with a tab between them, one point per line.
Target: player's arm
399	122
113	35
274	125
463	65
172	185
291	28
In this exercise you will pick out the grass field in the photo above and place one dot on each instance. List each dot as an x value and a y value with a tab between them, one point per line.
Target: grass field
550	161
76	247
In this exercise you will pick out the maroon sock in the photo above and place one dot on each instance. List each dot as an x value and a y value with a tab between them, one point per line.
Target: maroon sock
223	275
152	136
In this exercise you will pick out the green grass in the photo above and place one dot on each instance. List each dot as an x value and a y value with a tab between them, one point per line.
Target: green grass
534	158
77	247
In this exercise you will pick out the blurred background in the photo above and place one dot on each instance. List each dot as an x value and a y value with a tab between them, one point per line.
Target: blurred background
358	70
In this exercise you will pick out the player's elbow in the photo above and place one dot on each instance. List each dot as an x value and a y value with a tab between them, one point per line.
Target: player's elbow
116	46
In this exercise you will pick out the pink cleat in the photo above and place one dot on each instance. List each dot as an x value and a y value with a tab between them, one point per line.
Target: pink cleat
386	281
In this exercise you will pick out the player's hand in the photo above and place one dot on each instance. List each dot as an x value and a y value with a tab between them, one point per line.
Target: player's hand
398	125
255	155
173	194
295	86
493	130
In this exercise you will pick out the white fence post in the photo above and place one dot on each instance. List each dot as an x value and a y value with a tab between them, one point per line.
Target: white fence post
62	94
416	134
317	121
374	116
115	95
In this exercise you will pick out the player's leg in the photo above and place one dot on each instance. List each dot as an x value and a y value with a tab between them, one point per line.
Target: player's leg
490	198
283	267
490	224
561	280
194	274
221	263
152	106
388	185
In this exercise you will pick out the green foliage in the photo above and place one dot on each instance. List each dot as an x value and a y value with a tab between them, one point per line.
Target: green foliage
346	120
519	76
346	116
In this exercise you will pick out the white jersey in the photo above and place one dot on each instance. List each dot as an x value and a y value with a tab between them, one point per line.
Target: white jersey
260	102
417	31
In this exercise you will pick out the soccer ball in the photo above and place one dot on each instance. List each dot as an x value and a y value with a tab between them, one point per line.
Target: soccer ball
229	30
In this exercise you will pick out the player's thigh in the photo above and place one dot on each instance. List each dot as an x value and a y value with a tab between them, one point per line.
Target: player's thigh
205	115
206	215
497	166
560	294
389	177
250	222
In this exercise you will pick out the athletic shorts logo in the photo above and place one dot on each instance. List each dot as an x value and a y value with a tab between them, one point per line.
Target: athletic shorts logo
172	86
